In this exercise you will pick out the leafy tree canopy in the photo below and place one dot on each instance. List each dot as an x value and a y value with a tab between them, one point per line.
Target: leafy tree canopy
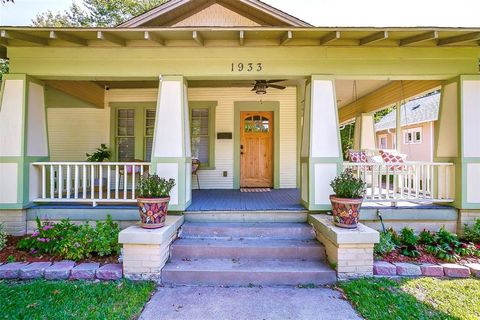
95	13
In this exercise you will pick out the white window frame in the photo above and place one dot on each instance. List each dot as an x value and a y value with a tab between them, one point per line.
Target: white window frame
380	137
413	132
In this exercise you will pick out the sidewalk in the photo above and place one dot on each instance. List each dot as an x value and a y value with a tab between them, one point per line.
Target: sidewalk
205	303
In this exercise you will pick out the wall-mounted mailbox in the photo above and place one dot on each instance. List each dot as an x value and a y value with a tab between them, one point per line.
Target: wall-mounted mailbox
224	135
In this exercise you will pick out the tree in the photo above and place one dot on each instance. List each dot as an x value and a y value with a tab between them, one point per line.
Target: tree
3	68
95	13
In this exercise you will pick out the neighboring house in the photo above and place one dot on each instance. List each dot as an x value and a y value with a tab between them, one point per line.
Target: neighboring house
253	92
418	119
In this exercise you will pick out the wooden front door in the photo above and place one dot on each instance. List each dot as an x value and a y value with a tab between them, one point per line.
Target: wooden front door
256	149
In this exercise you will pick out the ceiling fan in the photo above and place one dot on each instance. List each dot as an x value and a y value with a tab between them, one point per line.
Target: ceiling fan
260	86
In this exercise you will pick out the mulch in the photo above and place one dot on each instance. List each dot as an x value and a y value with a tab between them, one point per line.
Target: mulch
24	256
425	257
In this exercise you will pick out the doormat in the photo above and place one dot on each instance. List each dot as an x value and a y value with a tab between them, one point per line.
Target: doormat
255	189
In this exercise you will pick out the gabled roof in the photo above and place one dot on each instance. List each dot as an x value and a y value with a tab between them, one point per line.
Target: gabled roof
424	109
173	11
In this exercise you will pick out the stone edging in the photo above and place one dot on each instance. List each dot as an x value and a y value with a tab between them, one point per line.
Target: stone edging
62	270
451	270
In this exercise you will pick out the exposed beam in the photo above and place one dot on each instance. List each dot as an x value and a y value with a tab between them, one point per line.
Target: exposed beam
67	37
3	52
197	37
474	36
330	37
110	38
147	35
241	38
286	37
431	35
379	36
386	96
83	90
3	42
23	36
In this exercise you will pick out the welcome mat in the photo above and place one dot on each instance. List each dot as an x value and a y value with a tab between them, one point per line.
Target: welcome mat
255	189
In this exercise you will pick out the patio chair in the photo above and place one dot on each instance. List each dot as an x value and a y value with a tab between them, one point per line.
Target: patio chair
195	168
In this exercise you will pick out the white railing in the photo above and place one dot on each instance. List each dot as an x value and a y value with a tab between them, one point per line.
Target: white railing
410	181
90	182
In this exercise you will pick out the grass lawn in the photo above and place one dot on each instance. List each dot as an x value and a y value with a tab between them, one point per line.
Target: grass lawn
421	298
73	299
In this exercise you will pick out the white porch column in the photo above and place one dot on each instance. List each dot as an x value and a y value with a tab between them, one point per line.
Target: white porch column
23	139
171	156
321	156
364	138
457	138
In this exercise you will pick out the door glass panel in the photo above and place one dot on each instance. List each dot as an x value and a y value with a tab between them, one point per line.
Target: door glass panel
149	130
200	134
256	124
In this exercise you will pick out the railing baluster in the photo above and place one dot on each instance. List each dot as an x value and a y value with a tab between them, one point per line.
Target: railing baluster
100	182
60	182
44	182
52	182
84	182
117	177
68	181
75	184
109	173
125	182
92	182
133	181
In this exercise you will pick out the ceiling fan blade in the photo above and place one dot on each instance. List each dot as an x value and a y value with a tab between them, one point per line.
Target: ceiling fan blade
276	86
254	89
275	81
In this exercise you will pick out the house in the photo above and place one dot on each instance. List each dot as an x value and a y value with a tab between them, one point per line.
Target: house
256	95
418	118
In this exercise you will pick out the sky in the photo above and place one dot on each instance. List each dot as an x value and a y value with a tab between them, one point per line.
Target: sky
327	13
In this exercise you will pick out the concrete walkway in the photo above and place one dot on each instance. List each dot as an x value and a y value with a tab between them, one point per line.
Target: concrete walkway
205	303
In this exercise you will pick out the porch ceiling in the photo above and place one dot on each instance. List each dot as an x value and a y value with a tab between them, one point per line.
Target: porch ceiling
245	36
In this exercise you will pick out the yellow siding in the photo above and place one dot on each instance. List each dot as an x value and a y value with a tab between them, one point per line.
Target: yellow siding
72	132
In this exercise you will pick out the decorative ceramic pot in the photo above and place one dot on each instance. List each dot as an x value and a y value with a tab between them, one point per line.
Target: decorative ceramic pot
153	212
345	211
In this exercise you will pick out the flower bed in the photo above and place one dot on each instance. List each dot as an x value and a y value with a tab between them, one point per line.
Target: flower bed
65	240
430	254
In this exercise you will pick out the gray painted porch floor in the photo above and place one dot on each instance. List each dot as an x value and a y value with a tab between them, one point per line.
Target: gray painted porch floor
241	303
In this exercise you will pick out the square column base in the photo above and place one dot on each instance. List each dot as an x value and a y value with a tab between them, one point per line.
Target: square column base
350	251
14	221
145	251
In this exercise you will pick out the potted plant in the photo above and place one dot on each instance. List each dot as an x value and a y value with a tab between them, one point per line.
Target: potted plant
347	200
153	196
101	154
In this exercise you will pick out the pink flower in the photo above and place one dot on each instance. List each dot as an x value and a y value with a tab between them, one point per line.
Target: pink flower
33	251
41	239
35	234
47	227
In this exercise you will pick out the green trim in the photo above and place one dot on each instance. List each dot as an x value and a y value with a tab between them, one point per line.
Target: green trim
211	106
244	106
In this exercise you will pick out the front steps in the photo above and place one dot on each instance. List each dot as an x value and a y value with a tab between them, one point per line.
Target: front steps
247	253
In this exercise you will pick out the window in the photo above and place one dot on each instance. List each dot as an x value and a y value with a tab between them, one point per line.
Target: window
382	141
133	132
412	136
202	129
256	124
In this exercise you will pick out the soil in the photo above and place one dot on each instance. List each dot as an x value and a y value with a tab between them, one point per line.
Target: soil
425	257
24	256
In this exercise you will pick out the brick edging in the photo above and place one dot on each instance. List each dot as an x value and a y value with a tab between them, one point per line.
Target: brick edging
403	269
60	270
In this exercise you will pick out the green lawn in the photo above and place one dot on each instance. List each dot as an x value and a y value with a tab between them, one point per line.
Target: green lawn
421	298
73	299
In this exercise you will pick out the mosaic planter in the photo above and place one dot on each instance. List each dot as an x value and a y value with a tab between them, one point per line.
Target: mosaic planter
346	211
153	212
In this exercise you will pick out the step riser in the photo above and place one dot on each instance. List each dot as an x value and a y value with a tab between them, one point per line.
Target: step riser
246	278
213	252
245	216
194	232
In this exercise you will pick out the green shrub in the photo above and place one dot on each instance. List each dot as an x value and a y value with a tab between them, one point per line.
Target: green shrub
426	237
409	243
448	247
3	237
346	185
385	246
472	234
75	242
395	237
152	186
101	154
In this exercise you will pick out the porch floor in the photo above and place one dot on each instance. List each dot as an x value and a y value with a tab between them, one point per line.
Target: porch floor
234	200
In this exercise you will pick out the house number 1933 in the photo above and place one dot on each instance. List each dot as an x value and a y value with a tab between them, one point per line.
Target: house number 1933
247	67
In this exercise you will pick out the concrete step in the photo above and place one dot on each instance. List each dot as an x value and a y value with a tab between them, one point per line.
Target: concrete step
246	230
247	216
245	272
247	249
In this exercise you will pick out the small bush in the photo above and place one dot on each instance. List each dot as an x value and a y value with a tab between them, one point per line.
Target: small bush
75	242
152	186
385	246
472	234
448	247
3	238
426	237
409	243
